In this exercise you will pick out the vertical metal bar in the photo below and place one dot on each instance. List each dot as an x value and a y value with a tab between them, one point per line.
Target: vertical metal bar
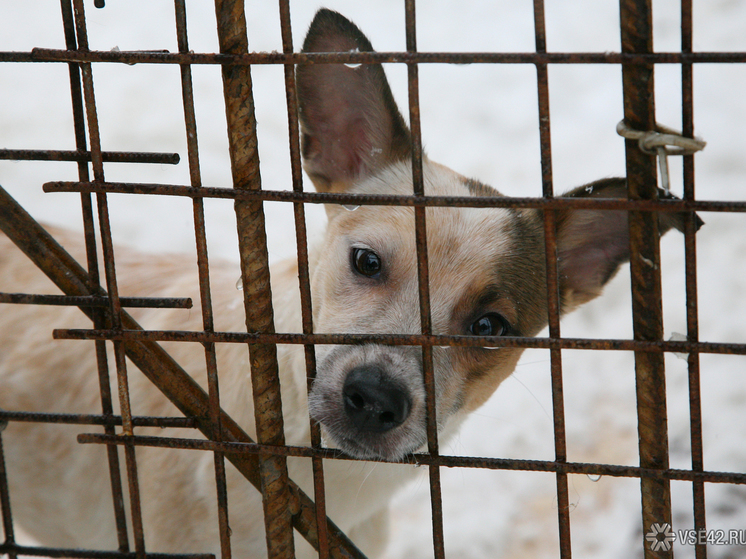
109	266
98	173
553	299
639	113
204	279
436	499
98	317
239	106
690	256
545	138
304	278
5	498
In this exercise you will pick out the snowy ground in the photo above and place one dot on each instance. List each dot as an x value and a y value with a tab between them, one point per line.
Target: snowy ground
482	121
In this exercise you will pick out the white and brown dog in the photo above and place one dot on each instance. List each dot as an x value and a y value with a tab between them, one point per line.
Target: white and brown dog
487	277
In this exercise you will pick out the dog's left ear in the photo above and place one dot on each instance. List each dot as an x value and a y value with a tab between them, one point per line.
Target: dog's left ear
350	124
593	244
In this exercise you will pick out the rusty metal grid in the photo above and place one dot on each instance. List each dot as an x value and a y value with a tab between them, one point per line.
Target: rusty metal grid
263	462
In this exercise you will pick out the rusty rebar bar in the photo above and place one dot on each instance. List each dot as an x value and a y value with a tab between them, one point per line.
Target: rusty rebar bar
248	449
13	550
94	419
85	156
252	240
423	282
138	57
93	301
79	127
671	346
5	510
115	309
203	268
660	205
647	311
552	281
690	262
304	276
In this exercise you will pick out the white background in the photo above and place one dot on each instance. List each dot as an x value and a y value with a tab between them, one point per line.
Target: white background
482	121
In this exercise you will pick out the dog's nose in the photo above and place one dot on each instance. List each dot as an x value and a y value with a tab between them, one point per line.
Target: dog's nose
373	402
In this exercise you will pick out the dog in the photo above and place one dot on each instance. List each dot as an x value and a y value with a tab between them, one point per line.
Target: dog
487	278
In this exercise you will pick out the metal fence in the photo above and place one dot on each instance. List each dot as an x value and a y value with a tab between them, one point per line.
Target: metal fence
263	462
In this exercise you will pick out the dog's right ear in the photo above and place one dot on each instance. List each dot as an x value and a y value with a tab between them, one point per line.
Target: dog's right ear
350	124
593	244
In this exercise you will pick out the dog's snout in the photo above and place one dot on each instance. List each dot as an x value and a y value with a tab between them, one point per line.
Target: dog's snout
372	401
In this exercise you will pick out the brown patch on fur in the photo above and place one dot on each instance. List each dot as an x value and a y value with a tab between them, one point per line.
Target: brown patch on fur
485	369
522	274
513	286
477	188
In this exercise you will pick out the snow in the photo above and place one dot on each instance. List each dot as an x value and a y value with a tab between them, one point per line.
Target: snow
482	121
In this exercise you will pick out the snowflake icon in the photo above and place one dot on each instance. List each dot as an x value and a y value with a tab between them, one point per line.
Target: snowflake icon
660	537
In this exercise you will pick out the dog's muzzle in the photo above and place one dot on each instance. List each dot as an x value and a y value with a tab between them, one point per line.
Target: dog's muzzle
370	400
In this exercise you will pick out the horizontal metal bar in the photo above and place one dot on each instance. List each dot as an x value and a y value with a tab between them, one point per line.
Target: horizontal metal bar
401	339
92	554
85	156
140	57
94	419
400	200
96	301
613	470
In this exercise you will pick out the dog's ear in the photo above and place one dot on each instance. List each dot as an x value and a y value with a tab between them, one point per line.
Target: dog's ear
593	244
350	124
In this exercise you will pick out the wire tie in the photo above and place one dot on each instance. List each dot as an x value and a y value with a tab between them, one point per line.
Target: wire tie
662	142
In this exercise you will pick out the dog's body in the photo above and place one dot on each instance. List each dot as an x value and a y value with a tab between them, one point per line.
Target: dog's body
487	277
60	489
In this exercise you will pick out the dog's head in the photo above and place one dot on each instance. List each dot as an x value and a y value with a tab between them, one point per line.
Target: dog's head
486	266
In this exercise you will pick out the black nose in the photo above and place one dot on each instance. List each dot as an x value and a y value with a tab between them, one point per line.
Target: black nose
373	402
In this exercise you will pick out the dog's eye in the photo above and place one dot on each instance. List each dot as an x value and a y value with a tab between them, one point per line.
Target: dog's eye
366	262
491	324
